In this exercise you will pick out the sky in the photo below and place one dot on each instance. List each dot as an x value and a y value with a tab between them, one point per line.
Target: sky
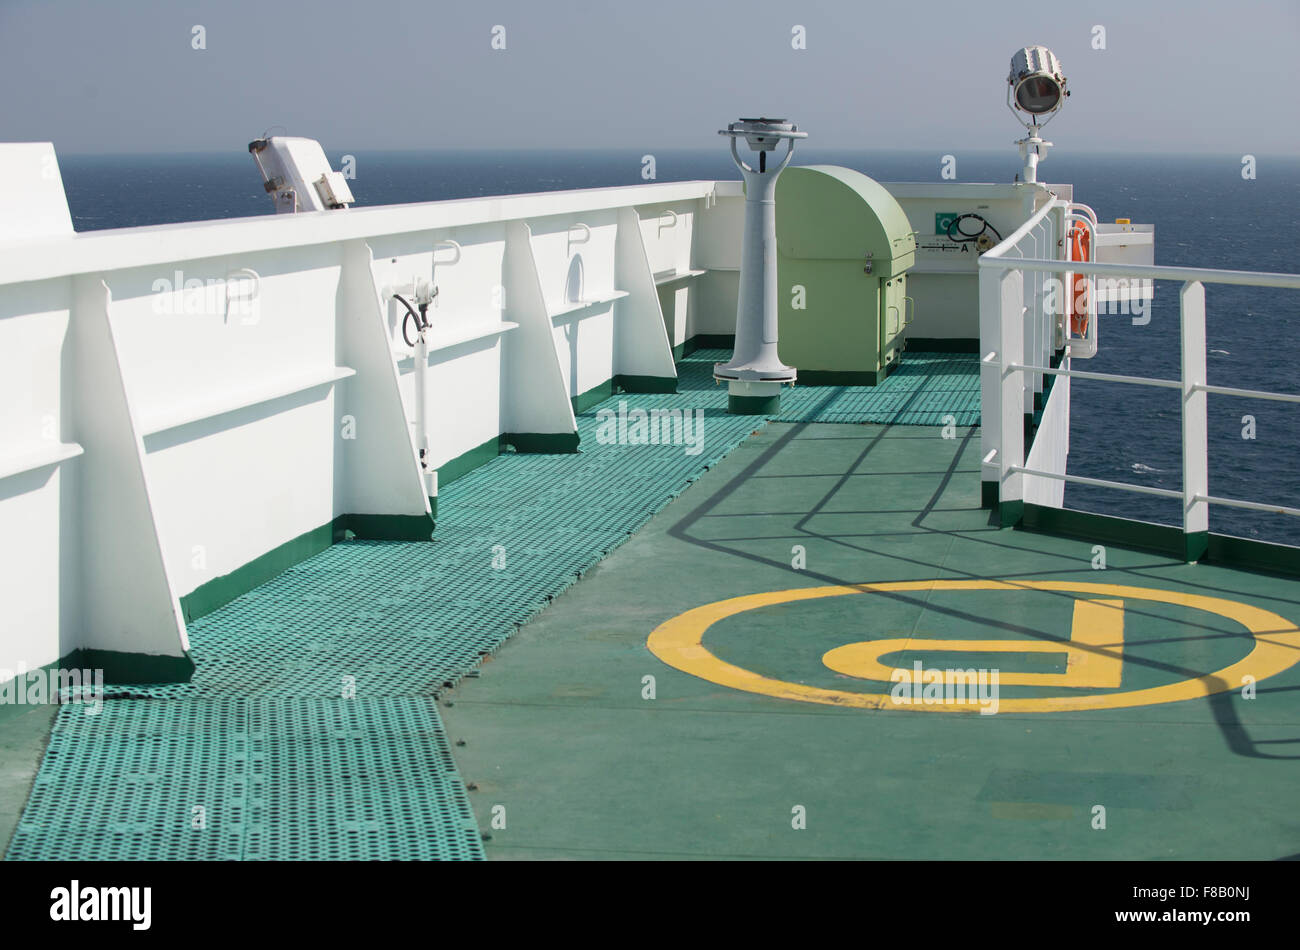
1177	76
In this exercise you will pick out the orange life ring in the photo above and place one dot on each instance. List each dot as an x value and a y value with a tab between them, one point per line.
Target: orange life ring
1077	298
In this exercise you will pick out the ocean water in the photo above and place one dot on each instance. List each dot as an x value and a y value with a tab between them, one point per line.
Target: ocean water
1205	213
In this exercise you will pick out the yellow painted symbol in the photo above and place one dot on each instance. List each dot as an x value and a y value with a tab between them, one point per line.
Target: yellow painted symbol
1094	653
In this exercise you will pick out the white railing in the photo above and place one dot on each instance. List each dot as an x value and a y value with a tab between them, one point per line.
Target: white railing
1012	325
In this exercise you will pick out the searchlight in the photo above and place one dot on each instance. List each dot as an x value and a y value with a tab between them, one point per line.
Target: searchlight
1037	87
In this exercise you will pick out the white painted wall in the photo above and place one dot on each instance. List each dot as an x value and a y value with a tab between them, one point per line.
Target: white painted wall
574	255
713	306
463	393
33	630
668	232
154	438
32	202
33	485
944	285
463	396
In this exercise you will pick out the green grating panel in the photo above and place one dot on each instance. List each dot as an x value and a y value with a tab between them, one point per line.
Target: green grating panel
276	779
925	388
261	737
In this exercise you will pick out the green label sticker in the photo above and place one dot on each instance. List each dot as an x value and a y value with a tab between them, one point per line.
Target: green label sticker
942	220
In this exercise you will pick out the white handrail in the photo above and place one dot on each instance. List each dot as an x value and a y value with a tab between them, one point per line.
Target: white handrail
997	252
1249	505
1080	206
1250	393
1008	328
1100	482
1205	275
1104	377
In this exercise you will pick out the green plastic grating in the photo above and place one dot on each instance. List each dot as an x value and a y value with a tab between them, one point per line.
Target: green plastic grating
275	779
921	391
287	768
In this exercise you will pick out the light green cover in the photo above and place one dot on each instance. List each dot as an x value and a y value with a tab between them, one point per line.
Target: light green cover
826	212
839	324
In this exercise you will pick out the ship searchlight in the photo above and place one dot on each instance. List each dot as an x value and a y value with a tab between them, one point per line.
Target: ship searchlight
1037	87
1036	81
755	374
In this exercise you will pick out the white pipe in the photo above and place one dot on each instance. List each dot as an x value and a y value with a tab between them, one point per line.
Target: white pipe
422	411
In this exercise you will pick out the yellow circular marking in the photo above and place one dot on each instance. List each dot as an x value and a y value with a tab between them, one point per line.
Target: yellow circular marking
679	642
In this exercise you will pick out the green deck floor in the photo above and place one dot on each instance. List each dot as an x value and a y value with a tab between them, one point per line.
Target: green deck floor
556	729
559	733
256	740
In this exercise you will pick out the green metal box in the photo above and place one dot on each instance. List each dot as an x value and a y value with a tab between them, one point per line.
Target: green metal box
843	248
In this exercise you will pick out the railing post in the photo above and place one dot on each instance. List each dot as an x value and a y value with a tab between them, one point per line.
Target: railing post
1058	251
1196	472
1011	349
1037	381
1027	328
990	301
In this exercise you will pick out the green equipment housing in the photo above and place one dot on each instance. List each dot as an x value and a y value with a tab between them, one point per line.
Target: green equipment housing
846	242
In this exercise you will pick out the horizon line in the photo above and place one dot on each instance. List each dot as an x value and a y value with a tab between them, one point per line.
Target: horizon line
607	149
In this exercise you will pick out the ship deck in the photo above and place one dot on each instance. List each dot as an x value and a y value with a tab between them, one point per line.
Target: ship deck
621	715
560	732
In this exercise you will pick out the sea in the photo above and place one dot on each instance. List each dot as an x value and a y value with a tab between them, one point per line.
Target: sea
1207	213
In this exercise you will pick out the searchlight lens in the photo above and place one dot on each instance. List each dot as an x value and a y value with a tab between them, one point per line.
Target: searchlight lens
1038	94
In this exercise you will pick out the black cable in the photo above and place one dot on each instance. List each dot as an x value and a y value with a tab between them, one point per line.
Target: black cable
966	237
410	314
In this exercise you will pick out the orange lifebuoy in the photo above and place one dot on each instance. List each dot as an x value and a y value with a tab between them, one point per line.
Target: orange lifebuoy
1077	298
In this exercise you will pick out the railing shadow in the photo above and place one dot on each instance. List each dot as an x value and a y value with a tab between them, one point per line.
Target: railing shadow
1235	733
